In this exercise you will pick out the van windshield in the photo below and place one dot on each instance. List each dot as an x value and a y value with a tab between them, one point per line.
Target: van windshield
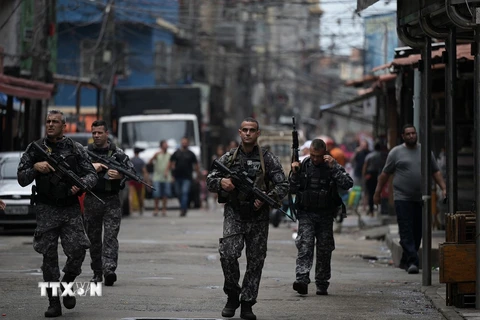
151	132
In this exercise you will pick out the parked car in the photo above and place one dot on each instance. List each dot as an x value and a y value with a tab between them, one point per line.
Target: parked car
85	138
18	212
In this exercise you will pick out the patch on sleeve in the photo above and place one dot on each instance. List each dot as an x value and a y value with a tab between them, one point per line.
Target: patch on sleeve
279	177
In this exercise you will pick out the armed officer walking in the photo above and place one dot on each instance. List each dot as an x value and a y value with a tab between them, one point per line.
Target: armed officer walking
315	182
109	215
246	219
57	207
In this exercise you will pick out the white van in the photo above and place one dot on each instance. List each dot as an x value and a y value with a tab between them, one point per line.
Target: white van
147	130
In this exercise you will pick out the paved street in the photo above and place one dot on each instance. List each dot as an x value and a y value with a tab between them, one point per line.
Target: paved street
169	268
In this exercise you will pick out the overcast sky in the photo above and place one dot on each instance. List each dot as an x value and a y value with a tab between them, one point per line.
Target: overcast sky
340	24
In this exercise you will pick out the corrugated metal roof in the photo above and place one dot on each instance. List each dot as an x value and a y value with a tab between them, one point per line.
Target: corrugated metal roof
463	52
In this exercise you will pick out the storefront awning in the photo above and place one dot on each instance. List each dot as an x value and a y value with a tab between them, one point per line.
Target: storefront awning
375	81
365	95
358	110
23	88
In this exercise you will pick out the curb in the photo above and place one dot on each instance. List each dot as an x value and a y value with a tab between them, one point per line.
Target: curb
393	243
431	292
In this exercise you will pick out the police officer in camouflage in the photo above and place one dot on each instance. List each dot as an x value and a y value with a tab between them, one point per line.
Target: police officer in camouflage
246	219
315	182
57	207
104	216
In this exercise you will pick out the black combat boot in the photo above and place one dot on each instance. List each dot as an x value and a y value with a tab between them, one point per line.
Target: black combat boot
322	291
322	288
54	307
68	301
300	287
232	304
246	311
97	277
110	278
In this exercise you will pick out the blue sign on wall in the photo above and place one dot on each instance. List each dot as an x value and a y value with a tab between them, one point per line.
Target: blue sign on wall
380	40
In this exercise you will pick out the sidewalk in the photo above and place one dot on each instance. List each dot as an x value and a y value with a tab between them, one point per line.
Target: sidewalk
437	291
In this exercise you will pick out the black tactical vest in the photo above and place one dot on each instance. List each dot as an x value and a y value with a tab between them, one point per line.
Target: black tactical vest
51	185
251	165
316	187
104	185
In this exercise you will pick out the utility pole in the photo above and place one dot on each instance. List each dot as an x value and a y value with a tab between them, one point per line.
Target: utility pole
39	69
248	63
385	43
266	83
192	16
109	52
266	72
40	54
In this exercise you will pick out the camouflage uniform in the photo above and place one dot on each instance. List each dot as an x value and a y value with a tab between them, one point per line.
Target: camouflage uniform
244	226
107	216
315	221
58	212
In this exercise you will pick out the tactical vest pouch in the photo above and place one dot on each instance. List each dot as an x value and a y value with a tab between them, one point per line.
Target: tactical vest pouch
243	197
245	209
222	197
43	184
59	191
314	200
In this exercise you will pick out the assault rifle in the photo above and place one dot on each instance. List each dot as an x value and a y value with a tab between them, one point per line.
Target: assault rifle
245	185
120	167
295	143
63	170
295	157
